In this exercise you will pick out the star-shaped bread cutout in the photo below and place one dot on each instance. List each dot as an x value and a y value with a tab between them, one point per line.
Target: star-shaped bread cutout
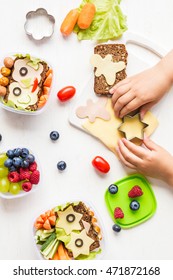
69	220
132	127
80	243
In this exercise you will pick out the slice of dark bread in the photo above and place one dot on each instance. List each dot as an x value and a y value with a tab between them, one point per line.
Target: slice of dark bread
119	53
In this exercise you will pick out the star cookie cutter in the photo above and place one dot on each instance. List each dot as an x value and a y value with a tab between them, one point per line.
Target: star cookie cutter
39	24
131	123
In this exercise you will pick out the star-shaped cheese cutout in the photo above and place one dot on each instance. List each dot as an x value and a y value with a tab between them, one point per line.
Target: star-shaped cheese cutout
133	127
107	67
69	220
80	244
94	110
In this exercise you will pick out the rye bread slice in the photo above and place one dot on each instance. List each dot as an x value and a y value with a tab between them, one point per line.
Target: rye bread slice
119	53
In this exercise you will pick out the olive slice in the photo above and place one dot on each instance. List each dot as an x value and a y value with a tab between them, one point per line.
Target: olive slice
70	218
79	242
23	71
17	91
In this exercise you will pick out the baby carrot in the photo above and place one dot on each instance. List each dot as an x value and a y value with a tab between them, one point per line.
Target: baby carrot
86	15
69	22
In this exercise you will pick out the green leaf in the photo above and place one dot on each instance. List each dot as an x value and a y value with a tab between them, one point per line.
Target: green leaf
109	22
62	236
91	256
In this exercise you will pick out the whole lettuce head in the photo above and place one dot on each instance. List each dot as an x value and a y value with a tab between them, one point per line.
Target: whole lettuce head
109	22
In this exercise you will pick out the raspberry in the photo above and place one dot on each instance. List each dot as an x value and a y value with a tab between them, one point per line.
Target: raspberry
35	177
33	166
24	174
118	213
26	186
13	177
135	192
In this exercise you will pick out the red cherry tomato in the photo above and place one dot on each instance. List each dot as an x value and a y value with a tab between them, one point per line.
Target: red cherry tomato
66	93
101	164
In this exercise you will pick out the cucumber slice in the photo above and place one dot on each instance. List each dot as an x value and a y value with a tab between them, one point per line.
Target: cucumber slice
48	241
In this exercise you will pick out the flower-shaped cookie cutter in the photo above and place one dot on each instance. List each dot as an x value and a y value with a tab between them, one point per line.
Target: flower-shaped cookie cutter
132	127
39	24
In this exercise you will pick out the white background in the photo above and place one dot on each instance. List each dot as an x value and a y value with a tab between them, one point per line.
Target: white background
70	60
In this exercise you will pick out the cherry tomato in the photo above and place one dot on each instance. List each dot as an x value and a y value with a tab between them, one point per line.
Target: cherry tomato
66	93
101	164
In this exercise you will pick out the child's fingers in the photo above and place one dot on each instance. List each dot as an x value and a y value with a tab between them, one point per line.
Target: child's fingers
128	155
119	84
150	144
136	150
130	107
126	163
145	108
119	92
122	101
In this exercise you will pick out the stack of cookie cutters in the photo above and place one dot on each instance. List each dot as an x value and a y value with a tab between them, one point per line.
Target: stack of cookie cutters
39	24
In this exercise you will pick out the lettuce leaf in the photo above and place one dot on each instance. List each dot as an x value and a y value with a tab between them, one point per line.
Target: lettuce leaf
62	236
109	22
91	256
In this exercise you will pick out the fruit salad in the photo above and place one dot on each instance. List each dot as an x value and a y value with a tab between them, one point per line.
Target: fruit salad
18	171
68	232
25	83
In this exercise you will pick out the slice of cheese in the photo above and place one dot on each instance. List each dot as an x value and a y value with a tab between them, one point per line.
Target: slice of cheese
107	131
107	67
62	222
86	243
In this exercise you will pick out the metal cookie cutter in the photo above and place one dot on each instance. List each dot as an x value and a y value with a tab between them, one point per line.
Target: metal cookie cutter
131	123
39	24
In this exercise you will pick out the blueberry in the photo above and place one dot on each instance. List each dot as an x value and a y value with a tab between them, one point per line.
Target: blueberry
25	163
17	152
54	135
134	205
8	162
24	153
10	153
17	161
12	168
30	158
116	228
113	189
0	137
61	165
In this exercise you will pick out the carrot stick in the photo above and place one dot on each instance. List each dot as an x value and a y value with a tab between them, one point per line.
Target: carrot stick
63	255
56	256
69	22
86	15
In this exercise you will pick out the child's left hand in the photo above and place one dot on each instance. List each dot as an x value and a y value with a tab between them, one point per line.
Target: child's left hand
154	161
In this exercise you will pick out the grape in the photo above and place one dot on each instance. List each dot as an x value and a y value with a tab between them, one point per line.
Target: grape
4	184
3	158
14	188
3	171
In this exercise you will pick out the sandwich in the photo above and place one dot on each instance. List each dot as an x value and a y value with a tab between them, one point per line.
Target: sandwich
109	61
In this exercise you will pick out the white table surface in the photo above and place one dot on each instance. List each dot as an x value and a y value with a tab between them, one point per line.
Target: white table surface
70	60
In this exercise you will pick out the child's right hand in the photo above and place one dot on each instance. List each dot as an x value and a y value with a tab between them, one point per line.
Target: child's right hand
141	91
154	161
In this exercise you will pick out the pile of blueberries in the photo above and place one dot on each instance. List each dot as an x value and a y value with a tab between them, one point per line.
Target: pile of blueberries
19	157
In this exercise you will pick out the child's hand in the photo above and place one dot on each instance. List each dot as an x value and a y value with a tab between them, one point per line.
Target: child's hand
140	91
153	161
